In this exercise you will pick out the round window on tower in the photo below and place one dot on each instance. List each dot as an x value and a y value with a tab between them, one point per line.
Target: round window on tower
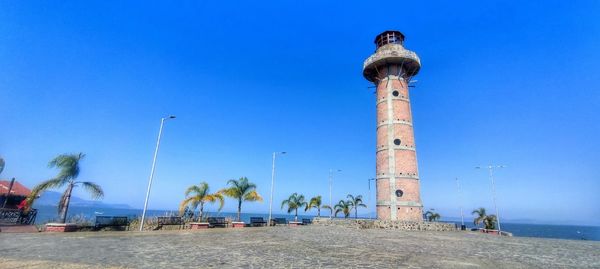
399	193
397	142
395	93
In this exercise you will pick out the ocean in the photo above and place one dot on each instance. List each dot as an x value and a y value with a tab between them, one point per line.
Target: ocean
573	232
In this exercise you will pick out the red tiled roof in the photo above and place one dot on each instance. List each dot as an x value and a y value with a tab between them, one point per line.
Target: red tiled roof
17	188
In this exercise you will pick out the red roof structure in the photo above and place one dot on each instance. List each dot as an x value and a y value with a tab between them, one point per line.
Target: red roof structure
17	188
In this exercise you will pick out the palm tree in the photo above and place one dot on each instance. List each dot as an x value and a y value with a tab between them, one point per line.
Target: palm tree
242	190
327	207
1	165
490	222
344	207
69	171
355	202
200	195
480	216
432	215
294	202
315	202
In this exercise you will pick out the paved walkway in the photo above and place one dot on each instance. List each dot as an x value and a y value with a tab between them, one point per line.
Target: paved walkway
283	247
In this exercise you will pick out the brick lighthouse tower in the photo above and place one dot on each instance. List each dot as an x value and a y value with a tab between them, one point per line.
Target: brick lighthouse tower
391	68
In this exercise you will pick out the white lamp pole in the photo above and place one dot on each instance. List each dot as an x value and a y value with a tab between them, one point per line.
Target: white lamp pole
491	168
272	184
462	216
162	122
330	191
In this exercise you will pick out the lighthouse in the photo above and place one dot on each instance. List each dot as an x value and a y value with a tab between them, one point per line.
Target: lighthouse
391	69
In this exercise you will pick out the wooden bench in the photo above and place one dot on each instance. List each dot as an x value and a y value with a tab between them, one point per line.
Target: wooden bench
278	221
217	222
111	221
162	221
257	222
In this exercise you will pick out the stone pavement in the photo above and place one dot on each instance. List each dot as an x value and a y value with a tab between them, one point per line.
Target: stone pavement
285	247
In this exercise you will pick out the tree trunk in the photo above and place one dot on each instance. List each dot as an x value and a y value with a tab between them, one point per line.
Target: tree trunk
201	212
296	216
239	210
319	212
356	212
65	209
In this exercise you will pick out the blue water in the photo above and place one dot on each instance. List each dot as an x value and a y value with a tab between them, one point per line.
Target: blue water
48	214
573	232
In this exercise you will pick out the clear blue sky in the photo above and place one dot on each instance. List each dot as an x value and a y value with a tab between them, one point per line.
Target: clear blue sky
502	82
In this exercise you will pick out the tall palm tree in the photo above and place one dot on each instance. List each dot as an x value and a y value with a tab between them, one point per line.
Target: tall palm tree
355	202
315	202
432	215
69	171
480	216
242	190
294	202
344	207
200	194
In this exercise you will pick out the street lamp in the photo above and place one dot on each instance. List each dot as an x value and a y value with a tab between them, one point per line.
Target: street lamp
272	184
162	122
369	180
491	168
330	188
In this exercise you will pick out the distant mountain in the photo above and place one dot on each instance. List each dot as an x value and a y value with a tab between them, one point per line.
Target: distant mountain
52	198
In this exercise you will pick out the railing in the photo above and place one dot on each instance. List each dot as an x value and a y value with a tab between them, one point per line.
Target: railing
17	216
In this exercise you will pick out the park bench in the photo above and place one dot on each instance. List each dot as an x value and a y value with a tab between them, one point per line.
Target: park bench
162	221
257	221
306	221
217	222
111	221
279	221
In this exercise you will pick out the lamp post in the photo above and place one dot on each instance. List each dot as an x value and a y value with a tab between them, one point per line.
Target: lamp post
330	188
491	168
369	180
162	122
272	184
462	216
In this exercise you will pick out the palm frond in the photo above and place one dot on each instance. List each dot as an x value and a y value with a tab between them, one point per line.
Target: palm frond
48	184
94	189
219	197
185	203
2	163
253	196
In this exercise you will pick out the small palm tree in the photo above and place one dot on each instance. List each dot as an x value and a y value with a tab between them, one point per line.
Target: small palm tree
200	195
242	190
356	202
432	215
480	216
490	222
315	202
69	171
344	207
294	202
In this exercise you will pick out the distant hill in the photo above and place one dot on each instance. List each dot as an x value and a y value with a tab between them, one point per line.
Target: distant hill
51	198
